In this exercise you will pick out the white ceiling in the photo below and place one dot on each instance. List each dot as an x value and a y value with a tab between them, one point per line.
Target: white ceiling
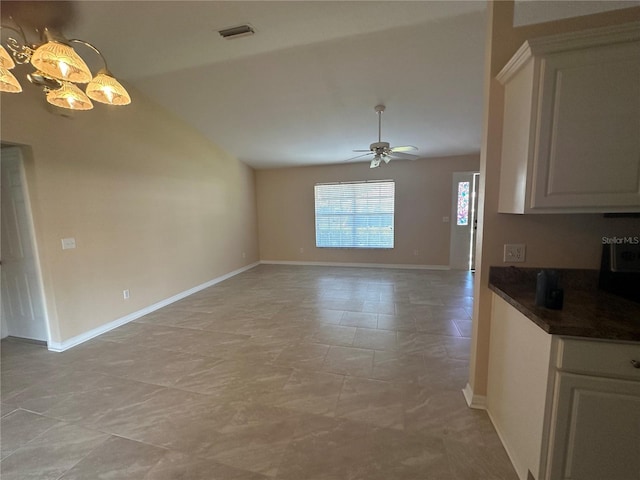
302	90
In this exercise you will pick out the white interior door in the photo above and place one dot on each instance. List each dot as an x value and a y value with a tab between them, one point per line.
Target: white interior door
22	302
463	220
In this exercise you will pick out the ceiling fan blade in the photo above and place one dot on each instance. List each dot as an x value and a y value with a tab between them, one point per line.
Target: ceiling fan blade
405	156
358	156
404	148
367	150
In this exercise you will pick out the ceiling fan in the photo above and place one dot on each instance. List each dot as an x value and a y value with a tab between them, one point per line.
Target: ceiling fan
382	151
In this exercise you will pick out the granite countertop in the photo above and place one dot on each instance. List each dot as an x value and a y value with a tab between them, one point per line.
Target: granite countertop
587	311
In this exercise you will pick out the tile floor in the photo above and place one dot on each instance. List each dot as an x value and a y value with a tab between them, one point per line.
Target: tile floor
282	372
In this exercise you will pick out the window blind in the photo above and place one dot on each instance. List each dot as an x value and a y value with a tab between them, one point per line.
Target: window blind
355	215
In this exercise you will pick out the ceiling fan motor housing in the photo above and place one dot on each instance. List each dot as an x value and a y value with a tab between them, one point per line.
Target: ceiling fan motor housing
379	147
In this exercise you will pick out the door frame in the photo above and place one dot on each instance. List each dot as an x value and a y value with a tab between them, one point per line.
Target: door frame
20	149
475	199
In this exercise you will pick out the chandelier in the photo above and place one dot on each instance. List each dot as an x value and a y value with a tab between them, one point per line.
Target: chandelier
59	70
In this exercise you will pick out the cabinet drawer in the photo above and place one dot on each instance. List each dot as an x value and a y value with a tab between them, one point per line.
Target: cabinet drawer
599	358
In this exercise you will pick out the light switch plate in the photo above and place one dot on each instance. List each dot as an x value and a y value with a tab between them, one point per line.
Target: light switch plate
68	243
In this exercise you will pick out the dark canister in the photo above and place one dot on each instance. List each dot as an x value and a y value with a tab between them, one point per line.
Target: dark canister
547	282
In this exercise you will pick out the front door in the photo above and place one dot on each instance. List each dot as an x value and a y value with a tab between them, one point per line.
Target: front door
463	220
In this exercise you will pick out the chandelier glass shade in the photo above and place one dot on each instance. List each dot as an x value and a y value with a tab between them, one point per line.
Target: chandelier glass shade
5	59
106	89
59	71
69	96
61	62
8	82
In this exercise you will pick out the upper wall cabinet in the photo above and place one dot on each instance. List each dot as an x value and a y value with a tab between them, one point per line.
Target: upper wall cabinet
571	137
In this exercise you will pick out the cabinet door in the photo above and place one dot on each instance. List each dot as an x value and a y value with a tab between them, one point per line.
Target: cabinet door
597	429
588	147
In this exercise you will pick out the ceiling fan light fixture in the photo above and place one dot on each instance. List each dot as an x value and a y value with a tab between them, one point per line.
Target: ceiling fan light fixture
106	89
69	96
59	60
8	82
383	151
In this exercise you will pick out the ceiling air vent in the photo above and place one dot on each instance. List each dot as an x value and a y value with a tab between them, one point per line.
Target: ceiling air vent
236	32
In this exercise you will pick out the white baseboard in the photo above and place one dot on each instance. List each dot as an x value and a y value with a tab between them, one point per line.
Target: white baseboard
83	337
363	265
474	401
521	470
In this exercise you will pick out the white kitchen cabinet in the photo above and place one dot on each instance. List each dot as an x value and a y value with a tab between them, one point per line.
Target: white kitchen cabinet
518	385
571	135
596	430
595	415
565	408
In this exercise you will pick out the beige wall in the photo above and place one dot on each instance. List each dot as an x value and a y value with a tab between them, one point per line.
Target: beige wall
154	207
423	196
570	241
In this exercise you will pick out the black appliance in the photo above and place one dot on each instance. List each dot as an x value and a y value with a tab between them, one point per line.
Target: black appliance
620	269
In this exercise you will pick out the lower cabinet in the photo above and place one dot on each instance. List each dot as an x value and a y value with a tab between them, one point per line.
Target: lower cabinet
595	423
568	409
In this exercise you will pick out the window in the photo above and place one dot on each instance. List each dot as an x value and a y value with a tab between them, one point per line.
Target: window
463	204
355	215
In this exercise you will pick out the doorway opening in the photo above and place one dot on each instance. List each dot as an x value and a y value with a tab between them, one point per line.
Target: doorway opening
22	297
464	220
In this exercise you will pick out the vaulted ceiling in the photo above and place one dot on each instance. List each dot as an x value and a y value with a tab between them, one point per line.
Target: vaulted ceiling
302	90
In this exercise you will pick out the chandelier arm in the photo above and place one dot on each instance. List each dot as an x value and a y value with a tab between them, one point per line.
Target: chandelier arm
9	27
17	30
21	52
87	44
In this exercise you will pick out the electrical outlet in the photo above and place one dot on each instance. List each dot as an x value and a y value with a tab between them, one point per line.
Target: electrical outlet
301	250
125	294
416	253
244	254
514	252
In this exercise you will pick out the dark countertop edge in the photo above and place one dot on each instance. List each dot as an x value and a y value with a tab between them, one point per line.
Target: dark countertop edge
582	331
